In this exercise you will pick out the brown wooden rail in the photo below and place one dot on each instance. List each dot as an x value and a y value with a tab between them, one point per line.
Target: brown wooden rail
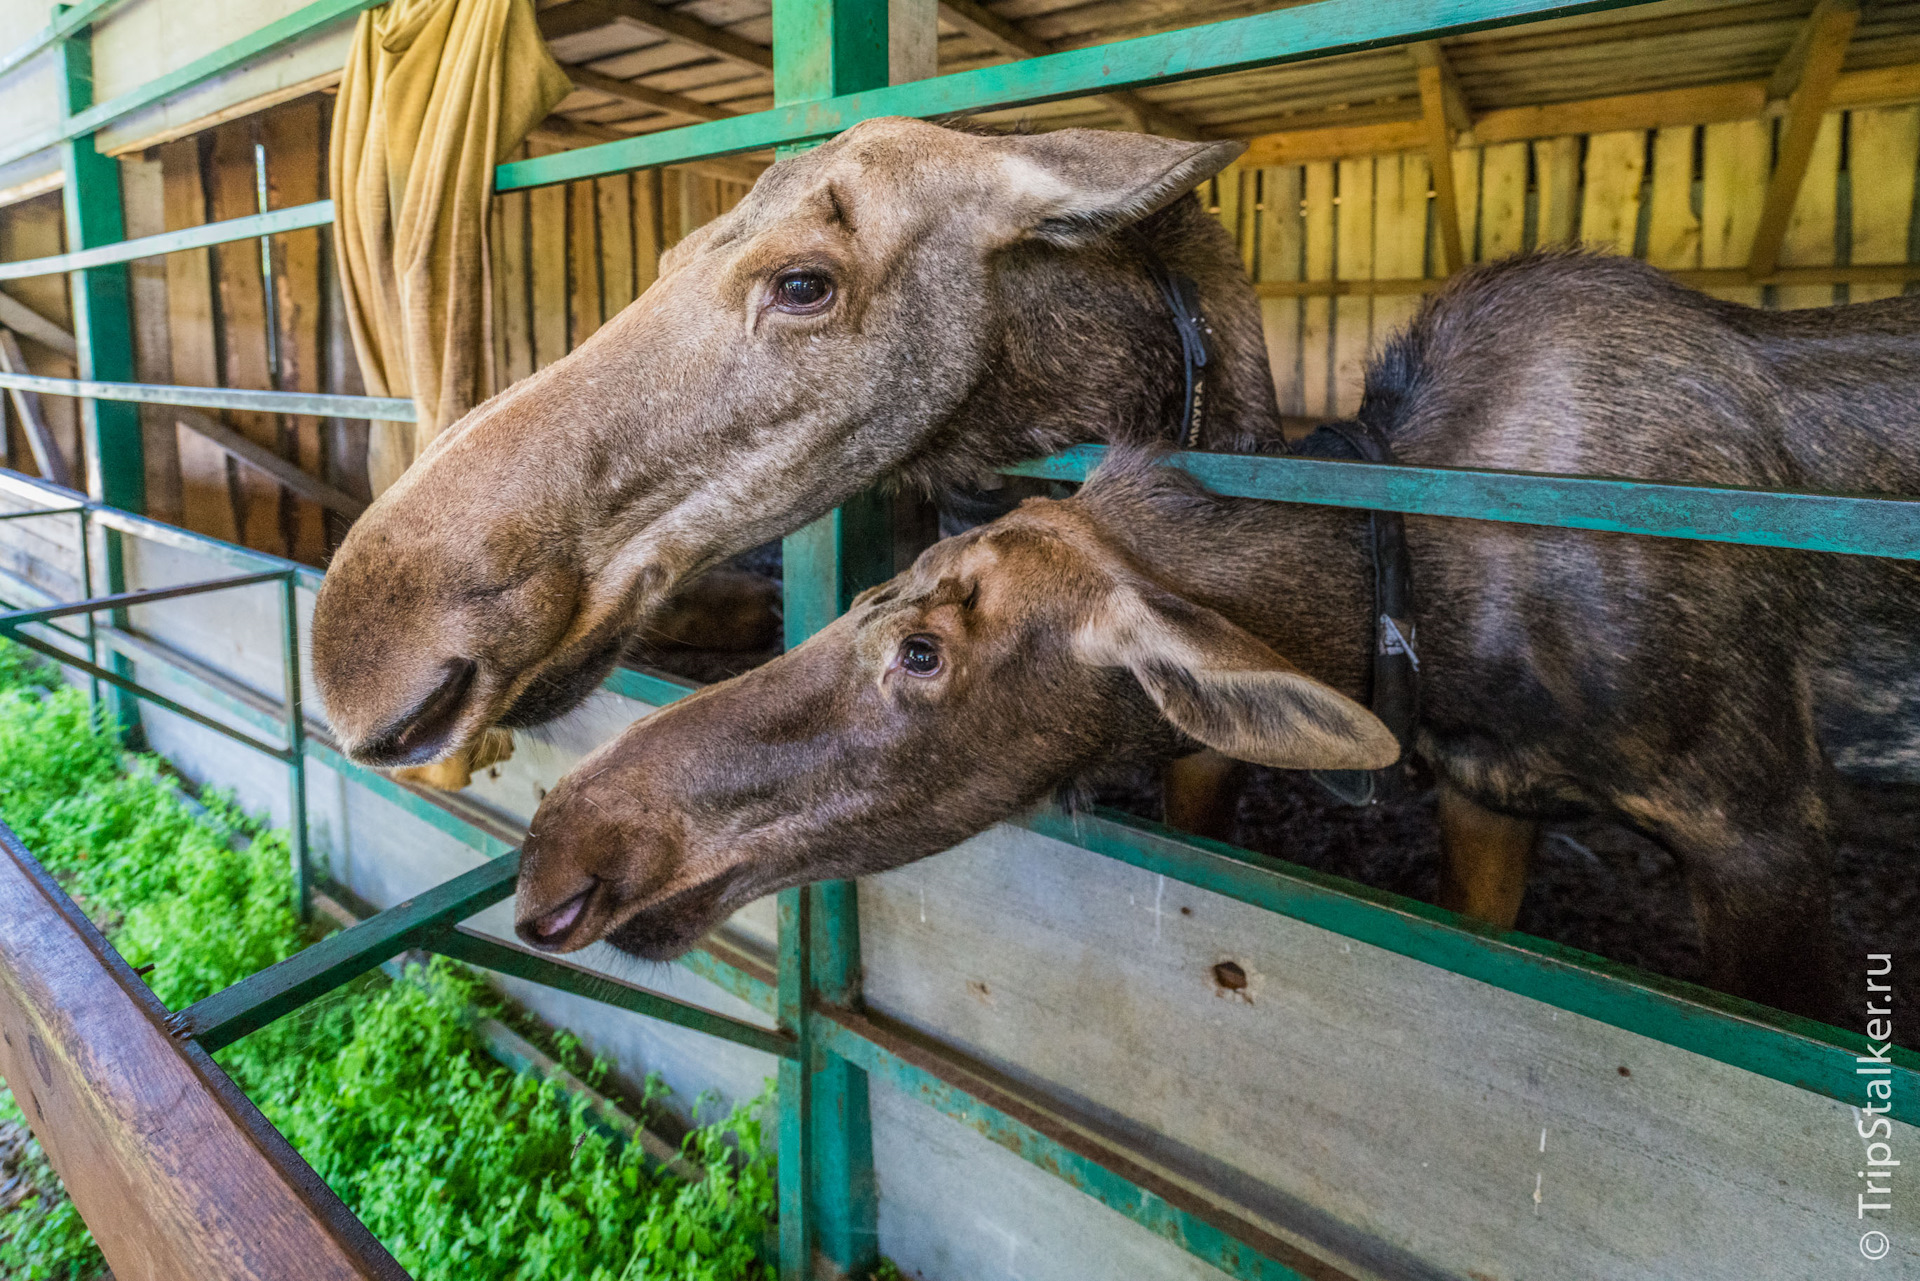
175	1171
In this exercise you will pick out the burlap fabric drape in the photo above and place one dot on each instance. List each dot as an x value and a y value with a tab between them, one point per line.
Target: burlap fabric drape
435	93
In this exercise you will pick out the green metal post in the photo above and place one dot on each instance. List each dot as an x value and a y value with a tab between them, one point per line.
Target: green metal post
824	48
103	330
296	745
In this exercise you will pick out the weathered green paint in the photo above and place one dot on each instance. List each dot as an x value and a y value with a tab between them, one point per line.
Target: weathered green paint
1812	522
1201	1239
645	687
1784	1047
129	686
259	999
257	44
67	21
796	1083
296	731
826	48
317	214
1265	39
122	392
110	435
504	958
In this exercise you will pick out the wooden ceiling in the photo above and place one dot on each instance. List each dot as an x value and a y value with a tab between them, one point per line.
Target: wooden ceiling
642	67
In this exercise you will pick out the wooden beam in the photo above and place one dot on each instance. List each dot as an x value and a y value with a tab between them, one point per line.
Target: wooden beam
1304	146
1702	104
262	459
577	16
1696	278
175	1171
46	451
1005	38
1705	104
659	100
1442	107
28	323
1815	66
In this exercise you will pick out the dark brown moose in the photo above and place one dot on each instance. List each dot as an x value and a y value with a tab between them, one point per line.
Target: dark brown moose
1693	690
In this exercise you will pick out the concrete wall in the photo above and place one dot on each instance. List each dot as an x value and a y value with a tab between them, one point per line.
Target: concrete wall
1405	1120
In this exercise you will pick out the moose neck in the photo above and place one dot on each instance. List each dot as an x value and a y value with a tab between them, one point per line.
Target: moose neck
1298	577
1086	352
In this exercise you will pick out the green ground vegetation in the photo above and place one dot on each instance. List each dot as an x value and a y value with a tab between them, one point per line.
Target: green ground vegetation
464	1169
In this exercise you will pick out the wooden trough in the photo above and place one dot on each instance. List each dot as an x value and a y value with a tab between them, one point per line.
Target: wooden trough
173	1168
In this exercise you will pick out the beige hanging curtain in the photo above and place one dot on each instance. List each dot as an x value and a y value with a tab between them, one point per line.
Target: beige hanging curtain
435	94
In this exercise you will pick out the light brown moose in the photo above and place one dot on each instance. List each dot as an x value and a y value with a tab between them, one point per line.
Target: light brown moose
1693	690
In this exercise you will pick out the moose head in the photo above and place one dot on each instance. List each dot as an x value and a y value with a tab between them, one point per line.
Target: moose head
906	302
1005	663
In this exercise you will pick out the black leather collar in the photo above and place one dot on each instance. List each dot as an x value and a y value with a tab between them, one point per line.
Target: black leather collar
1395	697
1182	297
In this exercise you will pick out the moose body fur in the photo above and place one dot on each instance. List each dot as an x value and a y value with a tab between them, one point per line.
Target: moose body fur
1696	691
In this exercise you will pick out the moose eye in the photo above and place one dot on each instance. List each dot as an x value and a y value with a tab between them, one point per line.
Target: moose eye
920	656
802	291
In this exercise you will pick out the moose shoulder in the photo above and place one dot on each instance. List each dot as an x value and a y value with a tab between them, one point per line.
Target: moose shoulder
1683	687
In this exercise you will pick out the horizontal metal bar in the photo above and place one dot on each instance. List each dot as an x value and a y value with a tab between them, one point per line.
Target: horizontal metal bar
141	692
45	511
272	402
186	540
317	214
1767	1042
257	44
126	600
1722	514
65	22
475	948
1102	1170
1286	35
647	687
259	999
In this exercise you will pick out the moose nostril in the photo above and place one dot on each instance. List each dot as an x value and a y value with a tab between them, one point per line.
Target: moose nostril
549	928
432	719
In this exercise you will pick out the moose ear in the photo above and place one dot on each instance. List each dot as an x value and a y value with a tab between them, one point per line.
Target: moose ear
1073	186
1216	683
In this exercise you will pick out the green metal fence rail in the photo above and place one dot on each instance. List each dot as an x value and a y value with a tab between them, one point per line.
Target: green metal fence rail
829	75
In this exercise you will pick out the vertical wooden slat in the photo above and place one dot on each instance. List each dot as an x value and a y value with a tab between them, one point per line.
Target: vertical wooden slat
547	271
497	284
1673	228
1279	258
1883	146
616	243
583	261
1735	157
1228	186
1316	314
206	495
1810	238
511	262
1556	169
1466	194
143	189
243	330
1400	215
648	239
1352	316
32	230
699	201
1503	201
1610	204
292	137
673	207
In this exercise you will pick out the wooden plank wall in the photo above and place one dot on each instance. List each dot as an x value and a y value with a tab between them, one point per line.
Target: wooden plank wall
565	259
1681	198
